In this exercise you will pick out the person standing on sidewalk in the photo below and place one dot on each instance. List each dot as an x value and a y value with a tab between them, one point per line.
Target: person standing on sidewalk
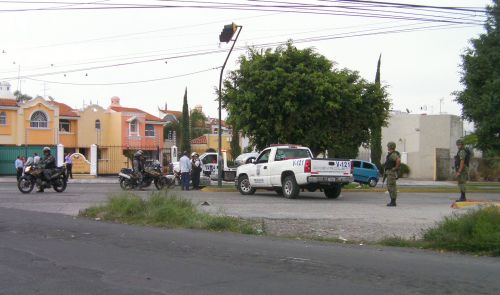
69	165
185	167
18	163
196	164
462	168
391	168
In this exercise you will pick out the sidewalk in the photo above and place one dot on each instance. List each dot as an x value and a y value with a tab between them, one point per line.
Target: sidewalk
114	180
98	180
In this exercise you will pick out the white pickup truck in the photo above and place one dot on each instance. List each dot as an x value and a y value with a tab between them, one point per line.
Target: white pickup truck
289	168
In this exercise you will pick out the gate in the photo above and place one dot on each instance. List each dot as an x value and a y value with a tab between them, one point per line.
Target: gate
111	159
8	155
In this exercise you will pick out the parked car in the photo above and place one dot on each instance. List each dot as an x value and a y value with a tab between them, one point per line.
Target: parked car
287	169
365	172
245	158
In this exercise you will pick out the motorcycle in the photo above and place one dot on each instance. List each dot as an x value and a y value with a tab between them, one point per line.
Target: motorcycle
33	175
152	174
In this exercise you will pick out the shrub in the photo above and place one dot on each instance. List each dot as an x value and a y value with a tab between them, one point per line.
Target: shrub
404	170
475	231
166	210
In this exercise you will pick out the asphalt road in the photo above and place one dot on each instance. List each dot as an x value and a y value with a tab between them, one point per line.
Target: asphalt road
354	216
44	253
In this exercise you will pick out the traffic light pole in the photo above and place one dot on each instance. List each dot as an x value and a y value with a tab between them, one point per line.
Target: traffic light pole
220	161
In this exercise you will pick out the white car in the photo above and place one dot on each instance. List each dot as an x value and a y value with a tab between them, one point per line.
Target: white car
289	168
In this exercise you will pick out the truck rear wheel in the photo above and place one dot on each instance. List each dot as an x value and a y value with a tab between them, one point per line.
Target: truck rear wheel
333	192
244	186
290	187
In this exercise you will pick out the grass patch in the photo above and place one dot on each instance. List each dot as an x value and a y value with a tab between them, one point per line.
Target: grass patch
477	231
163	209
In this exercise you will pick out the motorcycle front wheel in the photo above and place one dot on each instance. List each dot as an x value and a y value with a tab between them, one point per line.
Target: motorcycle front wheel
59	184
125	184
25	184
163	182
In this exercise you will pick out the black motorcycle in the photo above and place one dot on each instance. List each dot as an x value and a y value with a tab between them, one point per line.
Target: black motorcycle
152	174
33	175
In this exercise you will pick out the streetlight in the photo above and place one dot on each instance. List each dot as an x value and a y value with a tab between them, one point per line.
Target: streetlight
225	36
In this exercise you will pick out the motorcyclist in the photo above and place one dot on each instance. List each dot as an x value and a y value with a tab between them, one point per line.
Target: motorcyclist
48	163
138	164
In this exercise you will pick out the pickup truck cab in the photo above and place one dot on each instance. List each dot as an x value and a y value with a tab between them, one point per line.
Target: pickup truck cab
289	168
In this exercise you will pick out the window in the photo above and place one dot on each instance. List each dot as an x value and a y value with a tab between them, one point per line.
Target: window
287	154
39	120
264	157
356	164
98	124
150	130
368	166
133	127
3	118
209	159
64	126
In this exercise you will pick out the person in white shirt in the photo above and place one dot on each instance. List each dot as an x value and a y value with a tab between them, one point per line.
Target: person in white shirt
36	158
185	167
18	163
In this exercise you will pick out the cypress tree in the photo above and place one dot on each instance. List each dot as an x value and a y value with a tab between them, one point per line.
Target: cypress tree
185	143
376	131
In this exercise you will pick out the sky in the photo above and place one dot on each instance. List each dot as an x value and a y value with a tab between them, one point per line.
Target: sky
64	53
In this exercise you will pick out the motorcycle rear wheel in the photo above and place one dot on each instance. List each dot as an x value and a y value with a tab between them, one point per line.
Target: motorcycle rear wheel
59	184
25	184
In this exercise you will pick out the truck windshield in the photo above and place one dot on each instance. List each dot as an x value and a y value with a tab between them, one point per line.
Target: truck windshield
288	153
209	159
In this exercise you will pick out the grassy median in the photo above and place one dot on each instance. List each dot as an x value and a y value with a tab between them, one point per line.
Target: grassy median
477	231
163	209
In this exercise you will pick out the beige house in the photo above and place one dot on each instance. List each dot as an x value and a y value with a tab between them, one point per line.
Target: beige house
426	143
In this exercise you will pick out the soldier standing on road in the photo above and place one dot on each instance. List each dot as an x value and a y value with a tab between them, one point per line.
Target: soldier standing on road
391	168
462	168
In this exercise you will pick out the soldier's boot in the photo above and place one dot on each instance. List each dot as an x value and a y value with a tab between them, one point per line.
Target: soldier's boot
392	203
462	197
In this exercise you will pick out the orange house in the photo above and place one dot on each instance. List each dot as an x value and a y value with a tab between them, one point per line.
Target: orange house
139	129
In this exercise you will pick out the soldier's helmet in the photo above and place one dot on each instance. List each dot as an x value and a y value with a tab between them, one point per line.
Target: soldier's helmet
46	150
391	145
460	141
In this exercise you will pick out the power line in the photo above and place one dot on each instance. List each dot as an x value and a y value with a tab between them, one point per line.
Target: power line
128	82
298	8
201	53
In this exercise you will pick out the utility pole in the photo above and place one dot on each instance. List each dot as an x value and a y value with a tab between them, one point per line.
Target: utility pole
225	36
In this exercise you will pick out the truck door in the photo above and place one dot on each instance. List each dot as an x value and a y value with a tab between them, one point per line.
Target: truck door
260	177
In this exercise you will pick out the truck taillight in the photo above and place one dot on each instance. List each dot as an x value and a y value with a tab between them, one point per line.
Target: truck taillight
307	166
352	167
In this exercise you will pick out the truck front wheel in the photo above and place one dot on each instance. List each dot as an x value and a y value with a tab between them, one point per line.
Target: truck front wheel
244	186
290	187
333	192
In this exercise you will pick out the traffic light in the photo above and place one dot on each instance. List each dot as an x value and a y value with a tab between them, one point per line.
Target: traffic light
227	33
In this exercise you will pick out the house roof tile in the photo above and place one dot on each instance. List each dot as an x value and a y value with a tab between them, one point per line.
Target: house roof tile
149	117
7	102
177	114
199	140
65	110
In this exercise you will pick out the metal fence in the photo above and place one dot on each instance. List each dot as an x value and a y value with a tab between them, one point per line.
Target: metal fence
8	155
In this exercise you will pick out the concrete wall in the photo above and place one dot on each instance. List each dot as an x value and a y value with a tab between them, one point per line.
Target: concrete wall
420	135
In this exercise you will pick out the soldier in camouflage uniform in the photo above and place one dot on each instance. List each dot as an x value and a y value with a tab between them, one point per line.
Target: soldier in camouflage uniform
391	169
462	168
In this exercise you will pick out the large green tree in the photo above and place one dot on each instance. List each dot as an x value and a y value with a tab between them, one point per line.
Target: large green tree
376	129
185	139
289	95
480	98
